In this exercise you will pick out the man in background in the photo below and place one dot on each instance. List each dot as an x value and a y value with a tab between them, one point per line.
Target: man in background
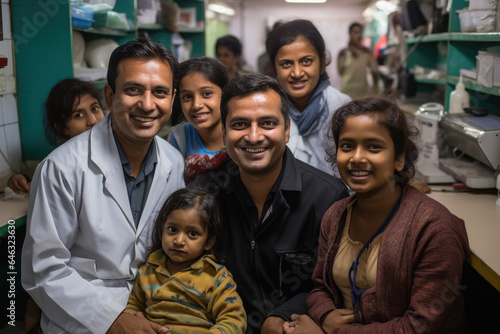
353	62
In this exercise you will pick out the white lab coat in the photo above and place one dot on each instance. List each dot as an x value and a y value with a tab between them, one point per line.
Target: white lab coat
82	249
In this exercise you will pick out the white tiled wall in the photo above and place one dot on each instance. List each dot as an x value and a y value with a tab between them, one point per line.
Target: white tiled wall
10	140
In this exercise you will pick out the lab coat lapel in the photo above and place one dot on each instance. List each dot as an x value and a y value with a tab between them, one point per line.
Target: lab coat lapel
104	154
158	187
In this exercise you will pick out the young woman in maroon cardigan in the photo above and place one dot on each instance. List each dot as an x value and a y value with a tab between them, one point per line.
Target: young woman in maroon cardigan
390	258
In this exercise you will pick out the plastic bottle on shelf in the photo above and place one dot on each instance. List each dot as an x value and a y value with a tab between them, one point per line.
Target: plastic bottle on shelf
459	98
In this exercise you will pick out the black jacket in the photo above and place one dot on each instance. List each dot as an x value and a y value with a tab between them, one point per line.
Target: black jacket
272	265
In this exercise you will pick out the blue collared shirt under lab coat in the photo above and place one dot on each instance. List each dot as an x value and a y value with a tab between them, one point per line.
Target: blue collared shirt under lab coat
137	187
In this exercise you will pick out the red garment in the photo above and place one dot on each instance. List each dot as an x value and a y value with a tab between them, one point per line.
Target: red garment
195	164
419	270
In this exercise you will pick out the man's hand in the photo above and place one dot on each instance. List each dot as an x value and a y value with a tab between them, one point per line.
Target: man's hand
272	325
32	317
18	183
301	324
129	323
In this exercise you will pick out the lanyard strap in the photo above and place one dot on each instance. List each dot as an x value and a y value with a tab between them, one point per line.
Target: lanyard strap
353	271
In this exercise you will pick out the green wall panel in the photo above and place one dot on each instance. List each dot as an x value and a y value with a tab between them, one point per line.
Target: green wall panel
42	35
214	29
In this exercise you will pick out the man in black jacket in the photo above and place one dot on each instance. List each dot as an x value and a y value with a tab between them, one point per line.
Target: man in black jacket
272	204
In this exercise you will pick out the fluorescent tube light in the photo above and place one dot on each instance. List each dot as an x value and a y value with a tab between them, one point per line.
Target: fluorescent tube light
306	1
221	9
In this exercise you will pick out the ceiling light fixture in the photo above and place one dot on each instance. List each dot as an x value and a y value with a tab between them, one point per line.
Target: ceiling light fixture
221	9
306	1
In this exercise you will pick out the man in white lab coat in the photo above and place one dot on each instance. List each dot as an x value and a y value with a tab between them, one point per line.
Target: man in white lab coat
94	199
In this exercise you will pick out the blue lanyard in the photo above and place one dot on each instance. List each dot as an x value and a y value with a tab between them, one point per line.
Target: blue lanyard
355	292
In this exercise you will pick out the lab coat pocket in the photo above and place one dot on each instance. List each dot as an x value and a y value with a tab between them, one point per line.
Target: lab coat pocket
85	267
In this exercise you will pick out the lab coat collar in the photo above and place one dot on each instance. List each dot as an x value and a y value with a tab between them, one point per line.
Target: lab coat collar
104	154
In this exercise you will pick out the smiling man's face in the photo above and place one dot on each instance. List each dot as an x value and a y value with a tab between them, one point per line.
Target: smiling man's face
142	102
255	133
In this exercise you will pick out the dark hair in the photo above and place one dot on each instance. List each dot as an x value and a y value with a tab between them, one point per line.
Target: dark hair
246	85
211	68
288	32
59	106
354	25
230	42
185	199
141	48
388	115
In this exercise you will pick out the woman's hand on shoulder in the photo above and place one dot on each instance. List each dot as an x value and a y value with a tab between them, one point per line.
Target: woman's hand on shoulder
337	319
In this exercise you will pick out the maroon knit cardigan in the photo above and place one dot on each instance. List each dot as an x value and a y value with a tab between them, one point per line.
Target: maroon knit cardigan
418	286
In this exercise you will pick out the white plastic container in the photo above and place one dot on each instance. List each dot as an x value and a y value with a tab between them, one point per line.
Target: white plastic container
496	71
495	52
481	4
459	98
470	19
485	68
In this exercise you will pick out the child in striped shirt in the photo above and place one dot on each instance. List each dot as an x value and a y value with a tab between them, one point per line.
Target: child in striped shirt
181	286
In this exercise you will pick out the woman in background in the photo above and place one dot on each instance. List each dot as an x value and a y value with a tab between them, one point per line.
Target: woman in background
299	59
72	107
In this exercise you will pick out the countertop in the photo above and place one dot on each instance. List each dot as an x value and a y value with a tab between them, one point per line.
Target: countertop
12	210
482	221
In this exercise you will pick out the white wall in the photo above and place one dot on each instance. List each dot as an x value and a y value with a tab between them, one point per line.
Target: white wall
10	140
331	18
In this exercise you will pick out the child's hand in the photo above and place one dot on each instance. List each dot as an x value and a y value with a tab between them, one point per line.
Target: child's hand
301	324
134	324
32	317
18	183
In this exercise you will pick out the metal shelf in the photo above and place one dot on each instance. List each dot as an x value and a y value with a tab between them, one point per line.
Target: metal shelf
475	37
152	26
441	81
475	86
454	36
429	38
105	31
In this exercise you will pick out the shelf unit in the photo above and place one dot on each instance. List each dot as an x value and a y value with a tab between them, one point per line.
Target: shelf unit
43	56
449	52
196	35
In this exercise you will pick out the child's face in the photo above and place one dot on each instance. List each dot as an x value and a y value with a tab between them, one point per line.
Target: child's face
200	100
86	113
366	157
298	67
184	239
